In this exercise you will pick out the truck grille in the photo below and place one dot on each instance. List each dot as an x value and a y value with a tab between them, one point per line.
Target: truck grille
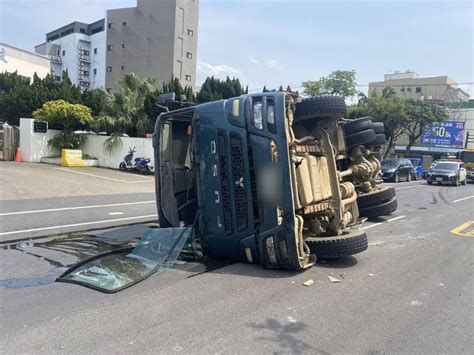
238	174
223	170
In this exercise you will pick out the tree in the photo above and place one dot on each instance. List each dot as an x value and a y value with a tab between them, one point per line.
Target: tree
124	111
339	82
383	107
68	116
20	96
215	89
418	117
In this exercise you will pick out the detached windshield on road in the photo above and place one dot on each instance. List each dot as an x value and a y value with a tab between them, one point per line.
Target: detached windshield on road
156	251
446	166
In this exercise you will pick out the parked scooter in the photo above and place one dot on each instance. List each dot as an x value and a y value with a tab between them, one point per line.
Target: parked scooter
140	164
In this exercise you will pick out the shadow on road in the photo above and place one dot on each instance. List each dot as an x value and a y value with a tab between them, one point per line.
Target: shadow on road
286	336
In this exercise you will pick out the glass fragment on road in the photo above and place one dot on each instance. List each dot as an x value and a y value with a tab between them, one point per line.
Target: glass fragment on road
114	271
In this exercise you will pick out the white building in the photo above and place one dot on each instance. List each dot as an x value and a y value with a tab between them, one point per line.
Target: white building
23	62
79	49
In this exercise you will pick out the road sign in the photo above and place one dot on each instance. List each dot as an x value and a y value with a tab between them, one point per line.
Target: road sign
444	134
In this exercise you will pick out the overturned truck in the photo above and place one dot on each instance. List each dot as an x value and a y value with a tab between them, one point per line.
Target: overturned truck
263	178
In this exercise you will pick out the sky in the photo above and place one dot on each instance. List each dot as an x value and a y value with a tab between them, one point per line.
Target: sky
276	42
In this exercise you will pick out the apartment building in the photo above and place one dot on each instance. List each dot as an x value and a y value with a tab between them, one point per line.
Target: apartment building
154	39
409	85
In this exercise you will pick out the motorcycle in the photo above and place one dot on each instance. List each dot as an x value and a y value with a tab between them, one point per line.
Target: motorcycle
140	164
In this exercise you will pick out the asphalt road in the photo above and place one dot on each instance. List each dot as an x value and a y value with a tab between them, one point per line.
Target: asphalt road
40	199
410	292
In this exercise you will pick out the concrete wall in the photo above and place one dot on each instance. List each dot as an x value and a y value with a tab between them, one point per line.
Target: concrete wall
24	62
153	42
34	146
95	148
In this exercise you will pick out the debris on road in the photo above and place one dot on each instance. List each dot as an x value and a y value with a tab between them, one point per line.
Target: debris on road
333	279
308	283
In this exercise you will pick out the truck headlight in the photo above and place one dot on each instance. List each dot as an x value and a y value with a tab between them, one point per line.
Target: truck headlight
258	114
270	246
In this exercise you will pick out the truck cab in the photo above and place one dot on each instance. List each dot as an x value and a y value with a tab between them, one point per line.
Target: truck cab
256	182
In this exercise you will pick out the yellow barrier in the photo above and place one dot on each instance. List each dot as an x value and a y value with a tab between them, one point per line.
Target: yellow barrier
72	157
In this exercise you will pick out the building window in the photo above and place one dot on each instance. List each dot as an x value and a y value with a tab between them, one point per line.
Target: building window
95	50
86	52
57	78
124	24
408	89
187	77
110	25
82	30
109	69
86	73
123	45
418	89
58	52
64	53
123	67
109	47
402	89
190	32
95	71
189	55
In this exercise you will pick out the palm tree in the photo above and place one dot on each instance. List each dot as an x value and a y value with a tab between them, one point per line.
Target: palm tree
124	110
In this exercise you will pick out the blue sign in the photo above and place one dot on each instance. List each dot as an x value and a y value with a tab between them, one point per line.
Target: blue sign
444	134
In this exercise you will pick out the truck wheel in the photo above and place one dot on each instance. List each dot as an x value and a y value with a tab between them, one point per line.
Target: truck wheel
339	246
320	107
382	209
378	127
375	197
360	138
357	125
379	140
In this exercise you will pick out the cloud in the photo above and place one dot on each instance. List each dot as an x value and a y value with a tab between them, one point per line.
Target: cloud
272	64
217	70
266	64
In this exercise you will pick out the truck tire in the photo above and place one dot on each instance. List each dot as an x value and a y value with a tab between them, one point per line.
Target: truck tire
375	197
333	107
378	127
357	125
360	138
379	140
382	209
338	246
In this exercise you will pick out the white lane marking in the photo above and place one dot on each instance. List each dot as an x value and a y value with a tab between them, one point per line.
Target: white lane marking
115	213
105	177
77	208
372	225
79	224
378	224
462	199
395	218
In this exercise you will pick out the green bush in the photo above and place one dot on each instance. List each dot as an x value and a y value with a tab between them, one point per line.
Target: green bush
67	141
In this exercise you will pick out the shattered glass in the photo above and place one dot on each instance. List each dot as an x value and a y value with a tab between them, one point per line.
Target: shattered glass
110	272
